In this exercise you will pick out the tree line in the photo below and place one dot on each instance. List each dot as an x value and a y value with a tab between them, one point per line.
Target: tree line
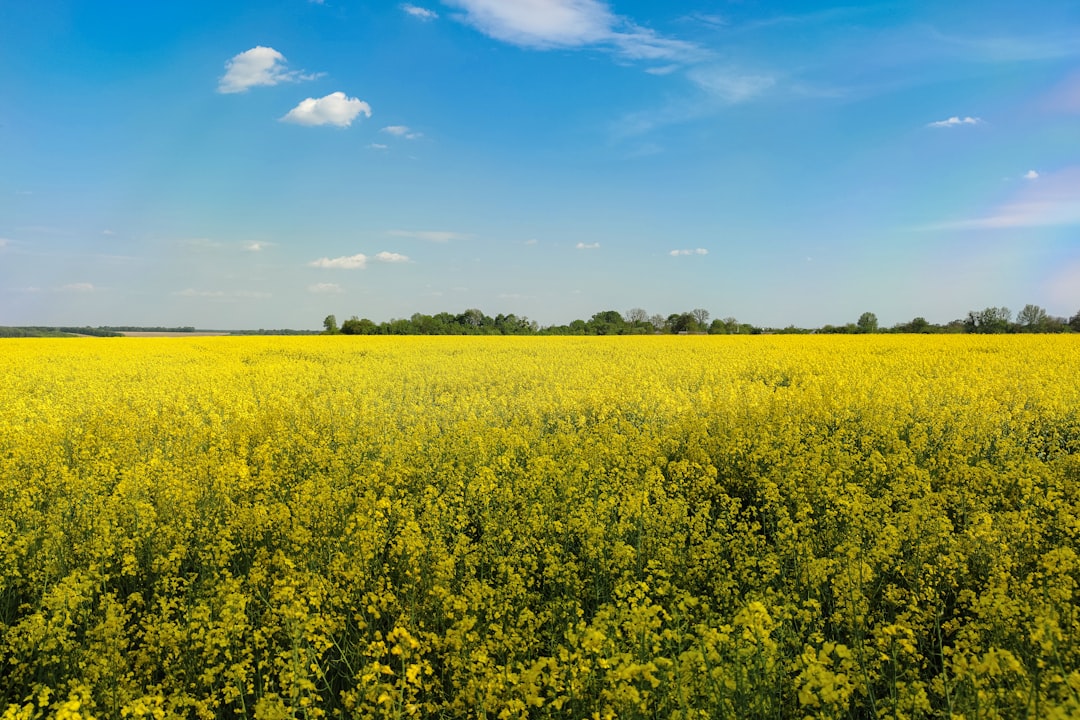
1032	319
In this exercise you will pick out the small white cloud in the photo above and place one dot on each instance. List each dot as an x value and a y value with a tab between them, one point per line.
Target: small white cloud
695	251
402	131
587	246
378	146
251	294
391	257
256	246
108	232
4	242
419	12
429	235
333	109
325	288
81	287
259	66
347	262
532	241
1031	175
955	121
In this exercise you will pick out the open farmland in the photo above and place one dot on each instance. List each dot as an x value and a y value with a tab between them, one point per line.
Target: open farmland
767	527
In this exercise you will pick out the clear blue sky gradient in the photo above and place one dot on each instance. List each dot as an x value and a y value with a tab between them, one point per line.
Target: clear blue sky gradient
214	163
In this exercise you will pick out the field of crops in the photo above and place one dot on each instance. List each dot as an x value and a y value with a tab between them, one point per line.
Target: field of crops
660	527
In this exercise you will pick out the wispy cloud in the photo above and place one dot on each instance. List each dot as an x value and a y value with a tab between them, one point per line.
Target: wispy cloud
587	246
333	109
1052	201
1031	175
549	24
429	235
377	146
391	257
955	121
79	287
346	262
4	242
731	85
256	246
325	289
259	66
420	13
695	251
402	131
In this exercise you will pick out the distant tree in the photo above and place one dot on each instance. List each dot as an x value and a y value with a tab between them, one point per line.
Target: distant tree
918	325
867	323
988	320
717	327
660	324
637	316
330	325
1074	322
701	317
1033	318
682	323
351	326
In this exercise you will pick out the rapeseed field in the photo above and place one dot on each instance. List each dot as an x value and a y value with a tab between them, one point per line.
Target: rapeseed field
650	527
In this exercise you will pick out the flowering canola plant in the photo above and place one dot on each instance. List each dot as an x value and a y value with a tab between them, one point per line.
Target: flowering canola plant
676	527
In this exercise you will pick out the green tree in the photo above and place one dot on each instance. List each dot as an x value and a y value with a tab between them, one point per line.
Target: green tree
1033	318
867	323
330	325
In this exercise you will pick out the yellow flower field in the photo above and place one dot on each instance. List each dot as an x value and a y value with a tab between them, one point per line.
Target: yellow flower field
661	527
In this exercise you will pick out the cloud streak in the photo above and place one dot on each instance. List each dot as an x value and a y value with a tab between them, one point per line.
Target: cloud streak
1053	201
695	251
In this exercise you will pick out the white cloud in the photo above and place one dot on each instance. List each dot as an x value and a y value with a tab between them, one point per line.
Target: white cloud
259	66
333	109
81	287
547	24
955	121
402	131
696	251
4	242
429	235
532	241
587	246
378	146
347	262
256	246
419	12
325	289
1031	175
391	257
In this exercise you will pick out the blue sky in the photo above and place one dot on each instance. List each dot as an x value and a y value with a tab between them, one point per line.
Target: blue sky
263	164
